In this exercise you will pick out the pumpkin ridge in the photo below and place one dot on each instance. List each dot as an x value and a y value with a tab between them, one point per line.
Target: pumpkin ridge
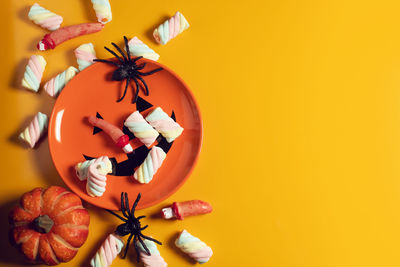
61	240
36	248
41	203
22	208
58	199
51	251
21	223
23	240
69	210
73	226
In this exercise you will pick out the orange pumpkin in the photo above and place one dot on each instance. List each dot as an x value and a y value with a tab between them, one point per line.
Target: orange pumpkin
49	225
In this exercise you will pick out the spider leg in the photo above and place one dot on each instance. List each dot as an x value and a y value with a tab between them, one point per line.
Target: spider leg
136	59
150	72
144	83
141	66
114	54
141	229
137	90
149	238
123	96
123	209
136	248
127	48
116	215
106	61
127	205
127	245
144	246
135	204
120	51
141	217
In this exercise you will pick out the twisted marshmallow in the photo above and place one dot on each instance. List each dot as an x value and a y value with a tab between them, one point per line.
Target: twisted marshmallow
103	10
82	167
56	84
35	130
141	129
194	247
164	124
108	251
84	55
137	48
145	172
170	28
155	259
44	17
96	177
34	72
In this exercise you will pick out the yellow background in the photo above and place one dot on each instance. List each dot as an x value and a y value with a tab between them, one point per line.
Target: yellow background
301	110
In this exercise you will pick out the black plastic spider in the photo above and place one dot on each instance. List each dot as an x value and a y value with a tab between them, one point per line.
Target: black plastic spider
128	69
132	225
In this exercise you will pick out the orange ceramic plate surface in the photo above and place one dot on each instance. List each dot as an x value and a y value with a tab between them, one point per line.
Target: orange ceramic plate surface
91	92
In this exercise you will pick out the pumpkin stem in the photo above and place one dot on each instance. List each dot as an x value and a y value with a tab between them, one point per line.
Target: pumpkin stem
43	224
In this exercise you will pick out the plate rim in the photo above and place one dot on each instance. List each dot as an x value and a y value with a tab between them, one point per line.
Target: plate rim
171	192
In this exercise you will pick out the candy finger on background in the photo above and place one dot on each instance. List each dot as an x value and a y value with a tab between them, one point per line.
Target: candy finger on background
96	176
145	172
137	48
51	40
56	84
44	18
82	167
34	73
35	130
194	247
180	210
164	124
170	28
141	129
108	251
103	10
84	55
153	260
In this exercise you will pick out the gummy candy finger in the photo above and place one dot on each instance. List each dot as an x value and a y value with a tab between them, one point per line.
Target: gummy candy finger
116	134
180	210
51	40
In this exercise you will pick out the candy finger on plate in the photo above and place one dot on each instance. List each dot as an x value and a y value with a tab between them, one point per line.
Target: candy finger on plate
35	130
34	73
108	251
84	55
103	10
96	176
141	129
137	48
56	84
82	167
145	172
120	139
152	260
180	210
194	247
170	28
44	18
51	40
164	124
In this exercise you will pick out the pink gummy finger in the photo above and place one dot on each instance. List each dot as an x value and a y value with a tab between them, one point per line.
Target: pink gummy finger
51	40
111	130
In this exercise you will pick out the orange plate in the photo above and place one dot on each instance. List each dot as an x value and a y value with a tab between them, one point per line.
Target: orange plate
92	91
